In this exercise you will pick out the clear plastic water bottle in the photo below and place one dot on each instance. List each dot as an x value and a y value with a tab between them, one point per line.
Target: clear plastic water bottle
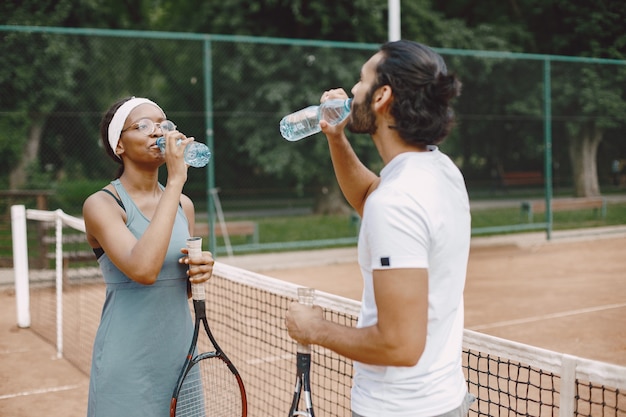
197	154
306	122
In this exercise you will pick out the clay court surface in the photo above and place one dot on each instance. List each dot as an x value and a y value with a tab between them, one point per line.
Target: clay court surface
566	295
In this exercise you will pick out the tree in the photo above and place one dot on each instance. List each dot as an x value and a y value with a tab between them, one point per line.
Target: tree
274	81
585	99
341	20
586	104
256	84
29	88
54	86
40	71
279	80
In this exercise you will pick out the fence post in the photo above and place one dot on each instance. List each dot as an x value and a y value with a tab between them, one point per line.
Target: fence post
20	264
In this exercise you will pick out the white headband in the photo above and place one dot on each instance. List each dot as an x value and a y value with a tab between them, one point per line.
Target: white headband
117	123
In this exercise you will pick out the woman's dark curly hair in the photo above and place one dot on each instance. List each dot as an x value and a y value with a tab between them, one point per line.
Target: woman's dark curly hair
422	90
104	133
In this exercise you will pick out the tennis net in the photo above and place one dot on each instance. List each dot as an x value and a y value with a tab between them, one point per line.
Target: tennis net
246	313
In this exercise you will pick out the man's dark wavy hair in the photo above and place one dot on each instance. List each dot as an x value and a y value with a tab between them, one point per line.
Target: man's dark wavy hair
422	90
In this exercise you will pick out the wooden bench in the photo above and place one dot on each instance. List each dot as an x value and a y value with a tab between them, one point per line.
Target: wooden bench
233	228
598	204
13	196
521	178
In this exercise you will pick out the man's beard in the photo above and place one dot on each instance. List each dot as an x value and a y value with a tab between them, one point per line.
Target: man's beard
362	119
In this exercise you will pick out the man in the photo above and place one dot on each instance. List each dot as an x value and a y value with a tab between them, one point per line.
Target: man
413	242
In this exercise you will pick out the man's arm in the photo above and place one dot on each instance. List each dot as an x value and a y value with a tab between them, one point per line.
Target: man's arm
397	339
355	179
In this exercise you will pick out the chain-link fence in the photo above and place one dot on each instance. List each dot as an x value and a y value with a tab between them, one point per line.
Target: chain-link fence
520	117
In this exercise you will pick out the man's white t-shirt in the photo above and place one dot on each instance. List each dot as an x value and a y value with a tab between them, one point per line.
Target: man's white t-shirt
418	217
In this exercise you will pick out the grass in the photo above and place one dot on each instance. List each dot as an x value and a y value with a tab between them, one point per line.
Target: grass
495	217
312	227
299	228
562	220
308	228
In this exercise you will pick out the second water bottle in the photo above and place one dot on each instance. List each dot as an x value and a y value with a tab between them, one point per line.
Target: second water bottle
305	122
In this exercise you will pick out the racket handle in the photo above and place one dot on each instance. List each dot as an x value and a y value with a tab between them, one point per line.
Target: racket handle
194	251
306	296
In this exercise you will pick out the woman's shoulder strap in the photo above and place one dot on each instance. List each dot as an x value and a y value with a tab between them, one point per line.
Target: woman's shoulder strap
115	197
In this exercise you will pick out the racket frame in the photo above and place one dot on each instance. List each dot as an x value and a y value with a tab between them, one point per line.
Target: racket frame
199	306
302	386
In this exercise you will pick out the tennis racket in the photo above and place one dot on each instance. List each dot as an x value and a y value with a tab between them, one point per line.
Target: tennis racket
303	366
209	384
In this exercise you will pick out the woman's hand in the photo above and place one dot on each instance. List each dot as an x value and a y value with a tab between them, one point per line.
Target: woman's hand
175	144
200	269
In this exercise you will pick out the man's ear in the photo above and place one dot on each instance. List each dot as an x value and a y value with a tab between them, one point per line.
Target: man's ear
382	98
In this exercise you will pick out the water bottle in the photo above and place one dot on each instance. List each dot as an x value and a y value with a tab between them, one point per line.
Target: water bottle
306	122
197	154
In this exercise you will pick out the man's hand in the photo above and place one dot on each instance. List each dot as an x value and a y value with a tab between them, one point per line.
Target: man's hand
301	321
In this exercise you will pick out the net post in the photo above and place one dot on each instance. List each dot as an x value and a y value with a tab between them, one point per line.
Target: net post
20	265
567	395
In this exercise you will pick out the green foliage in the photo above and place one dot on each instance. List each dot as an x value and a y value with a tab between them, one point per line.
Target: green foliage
69	196
285	79
12	133
65	83
556	27
341	20
584	98
39	71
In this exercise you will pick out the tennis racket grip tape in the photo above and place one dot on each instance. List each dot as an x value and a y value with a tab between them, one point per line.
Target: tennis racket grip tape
306	296
194	251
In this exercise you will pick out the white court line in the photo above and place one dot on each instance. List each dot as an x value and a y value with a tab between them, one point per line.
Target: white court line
546	317
39	391
10	352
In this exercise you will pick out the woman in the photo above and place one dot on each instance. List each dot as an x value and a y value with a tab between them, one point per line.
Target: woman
137	229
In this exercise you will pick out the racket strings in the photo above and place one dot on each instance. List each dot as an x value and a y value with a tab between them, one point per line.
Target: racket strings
210	389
